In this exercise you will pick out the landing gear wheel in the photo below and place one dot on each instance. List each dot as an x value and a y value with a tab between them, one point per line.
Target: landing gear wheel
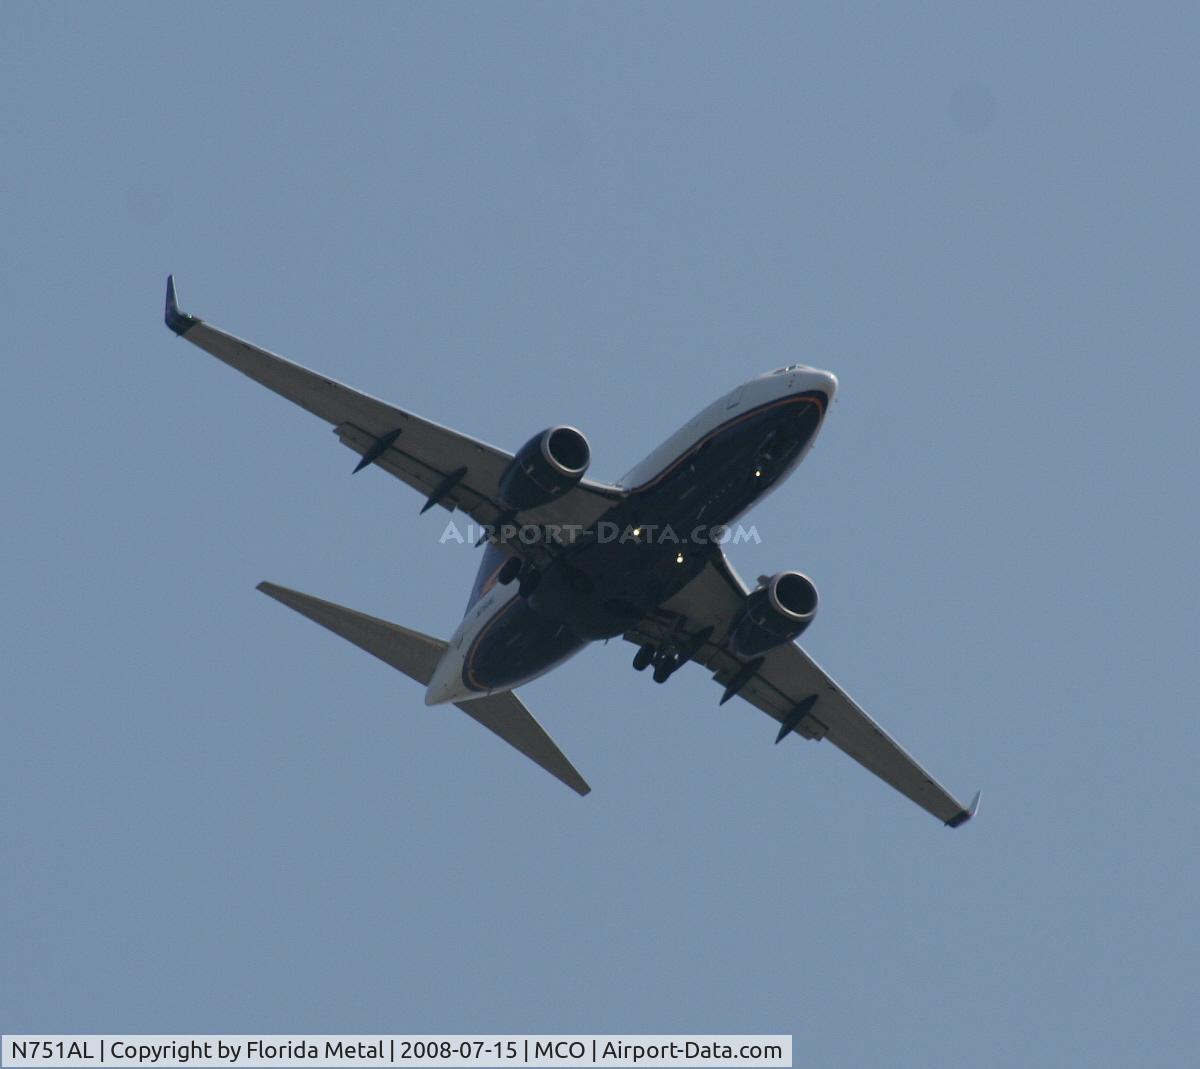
664	666
530	578
509	571
643	657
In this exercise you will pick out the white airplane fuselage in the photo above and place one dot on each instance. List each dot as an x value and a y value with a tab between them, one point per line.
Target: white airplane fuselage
697	482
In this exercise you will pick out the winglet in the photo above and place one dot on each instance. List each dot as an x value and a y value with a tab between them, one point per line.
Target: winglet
959	819
179	322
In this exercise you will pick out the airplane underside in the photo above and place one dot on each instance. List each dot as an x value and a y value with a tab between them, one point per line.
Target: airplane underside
650	546
643	559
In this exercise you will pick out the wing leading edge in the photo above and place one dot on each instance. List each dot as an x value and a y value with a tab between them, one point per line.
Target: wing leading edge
449	468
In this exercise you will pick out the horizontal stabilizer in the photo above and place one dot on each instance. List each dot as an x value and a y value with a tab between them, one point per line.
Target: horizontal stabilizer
417	655
414	654
505	715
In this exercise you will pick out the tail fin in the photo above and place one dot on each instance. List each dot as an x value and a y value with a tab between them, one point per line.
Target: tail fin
417	655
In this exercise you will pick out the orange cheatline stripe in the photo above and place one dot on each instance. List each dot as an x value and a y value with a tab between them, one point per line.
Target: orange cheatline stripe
471	680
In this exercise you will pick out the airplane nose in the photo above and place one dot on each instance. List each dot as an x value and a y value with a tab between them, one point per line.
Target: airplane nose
828	383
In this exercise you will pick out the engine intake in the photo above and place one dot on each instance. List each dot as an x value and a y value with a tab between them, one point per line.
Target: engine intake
774	614
545	467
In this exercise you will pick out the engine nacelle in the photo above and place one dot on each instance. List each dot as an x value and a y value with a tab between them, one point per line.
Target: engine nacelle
548	465
774	614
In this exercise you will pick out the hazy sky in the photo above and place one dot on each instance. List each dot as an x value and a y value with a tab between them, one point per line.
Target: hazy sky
217	817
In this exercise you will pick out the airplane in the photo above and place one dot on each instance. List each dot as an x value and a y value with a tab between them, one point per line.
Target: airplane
570	561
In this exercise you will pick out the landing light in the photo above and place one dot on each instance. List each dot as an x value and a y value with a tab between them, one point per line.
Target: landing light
758	473
637	532
678	558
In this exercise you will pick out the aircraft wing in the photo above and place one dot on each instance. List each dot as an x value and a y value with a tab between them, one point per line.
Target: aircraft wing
450	469
790	686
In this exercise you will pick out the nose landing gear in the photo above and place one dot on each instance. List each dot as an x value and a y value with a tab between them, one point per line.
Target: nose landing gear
526	575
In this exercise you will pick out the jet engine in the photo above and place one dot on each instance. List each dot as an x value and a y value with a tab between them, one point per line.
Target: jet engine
546	466
774	614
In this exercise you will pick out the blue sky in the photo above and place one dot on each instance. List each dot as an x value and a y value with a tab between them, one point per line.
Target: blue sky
218	817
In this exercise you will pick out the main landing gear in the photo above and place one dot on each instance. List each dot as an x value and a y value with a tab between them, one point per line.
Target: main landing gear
667	660
643	658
